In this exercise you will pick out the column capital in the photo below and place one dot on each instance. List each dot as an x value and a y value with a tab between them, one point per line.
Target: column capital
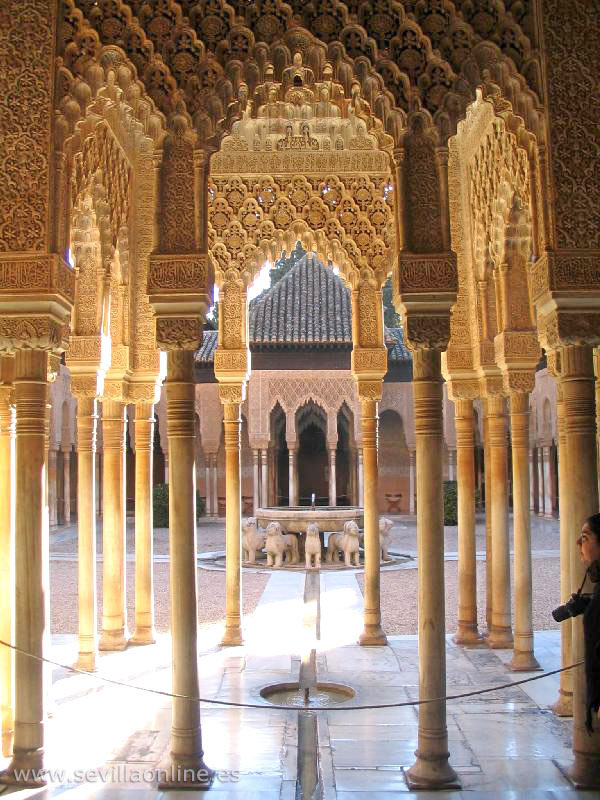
232	394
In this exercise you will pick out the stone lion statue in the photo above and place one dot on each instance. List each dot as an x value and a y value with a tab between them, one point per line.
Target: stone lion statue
312	546
351	543
274	545
334	547
385	525
253	540
292	551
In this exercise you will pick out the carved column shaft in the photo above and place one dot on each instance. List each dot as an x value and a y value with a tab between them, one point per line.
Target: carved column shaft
563	706
487	478
361	477
500	634
523	658
7	556
186	736
233	522
53	486
580	420
467	632
31	556
264	500
113	530
144	532
87	422
293	474
431	767
372	633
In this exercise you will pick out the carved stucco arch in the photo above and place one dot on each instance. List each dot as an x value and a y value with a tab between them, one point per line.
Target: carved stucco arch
207	86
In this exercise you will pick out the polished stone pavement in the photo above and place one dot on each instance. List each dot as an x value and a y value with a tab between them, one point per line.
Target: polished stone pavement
502	744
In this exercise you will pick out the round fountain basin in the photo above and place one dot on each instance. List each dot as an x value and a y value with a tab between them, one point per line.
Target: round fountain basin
322	694
294	519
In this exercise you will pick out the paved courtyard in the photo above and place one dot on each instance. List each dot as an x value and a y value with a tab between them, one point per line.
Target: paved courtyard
502	744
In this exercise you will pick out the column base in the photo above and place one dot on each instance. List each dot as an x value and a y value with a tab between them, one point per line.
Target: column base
192	774
26	762
143	636
468	635
8	737
232	637
523	661
86	662
564	705
582	773
499	638
431	773
372	636
112	640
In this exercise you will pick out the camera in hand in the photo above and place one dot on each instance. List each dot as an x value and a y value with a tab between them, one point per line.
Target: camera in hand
575	606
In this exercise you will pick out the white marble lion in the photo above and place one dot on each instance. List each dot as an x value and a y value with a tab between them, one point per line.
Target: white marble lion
275	545
334	547
351	544
292	551
253	540
385	525
312	546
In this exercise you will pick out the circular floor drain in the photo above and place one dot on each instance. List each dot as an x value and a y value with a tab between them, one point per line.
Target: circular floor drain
290	694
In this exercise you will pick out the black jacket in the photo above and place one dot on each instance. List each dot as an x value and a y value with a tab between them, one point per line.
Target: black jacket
591	635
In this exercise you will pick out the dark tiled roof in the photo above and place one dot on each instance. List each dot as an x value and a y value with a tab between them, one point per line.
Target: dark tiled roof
308	308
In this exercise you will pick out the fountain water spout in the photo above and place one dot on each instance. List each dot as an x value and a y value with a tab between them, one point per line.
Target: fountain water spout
312	501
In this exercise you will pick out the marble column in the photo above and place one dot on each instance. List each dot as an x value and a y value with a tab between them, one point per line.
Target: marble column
144	529
99	484
431	769
215	484
523	659
256	479
487	478
500	633
87	421
412	469
532	482
31	556
264	498
563	707
293	477
467	631
372	632
361	478
186	736
53	486
332	478
548	511
67	486
582	487
452	465
233	526
207	479
540	465
7	553
114	635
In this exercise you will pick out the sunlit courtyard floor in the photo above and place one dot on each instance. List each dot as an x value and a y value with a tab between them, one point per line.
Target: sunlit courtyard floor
504	743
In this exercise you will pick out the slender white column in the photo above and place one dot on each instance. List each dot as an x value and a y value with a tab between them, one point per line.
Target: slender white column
233	541
293	484
186	736
209	498
332	478
412	467
431	769
144	550
547	483
67	485
264	499
215	484
361	479
523	659
87	420
532	476
256	479
114	636
452	465
580	420
52	486
540	465
7	554
31	556
500	633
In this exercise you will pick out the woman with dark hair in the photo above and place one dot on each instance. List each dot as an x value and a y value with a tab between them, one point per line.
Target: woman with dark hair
589	544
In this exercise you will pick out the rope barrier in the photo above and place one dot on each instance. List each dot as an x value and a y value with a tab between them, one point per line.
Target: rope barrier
273	707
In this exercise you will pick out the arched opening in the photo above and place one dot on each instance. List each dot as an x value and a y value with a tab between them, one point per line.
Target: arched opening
313	468
394	467
279	459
